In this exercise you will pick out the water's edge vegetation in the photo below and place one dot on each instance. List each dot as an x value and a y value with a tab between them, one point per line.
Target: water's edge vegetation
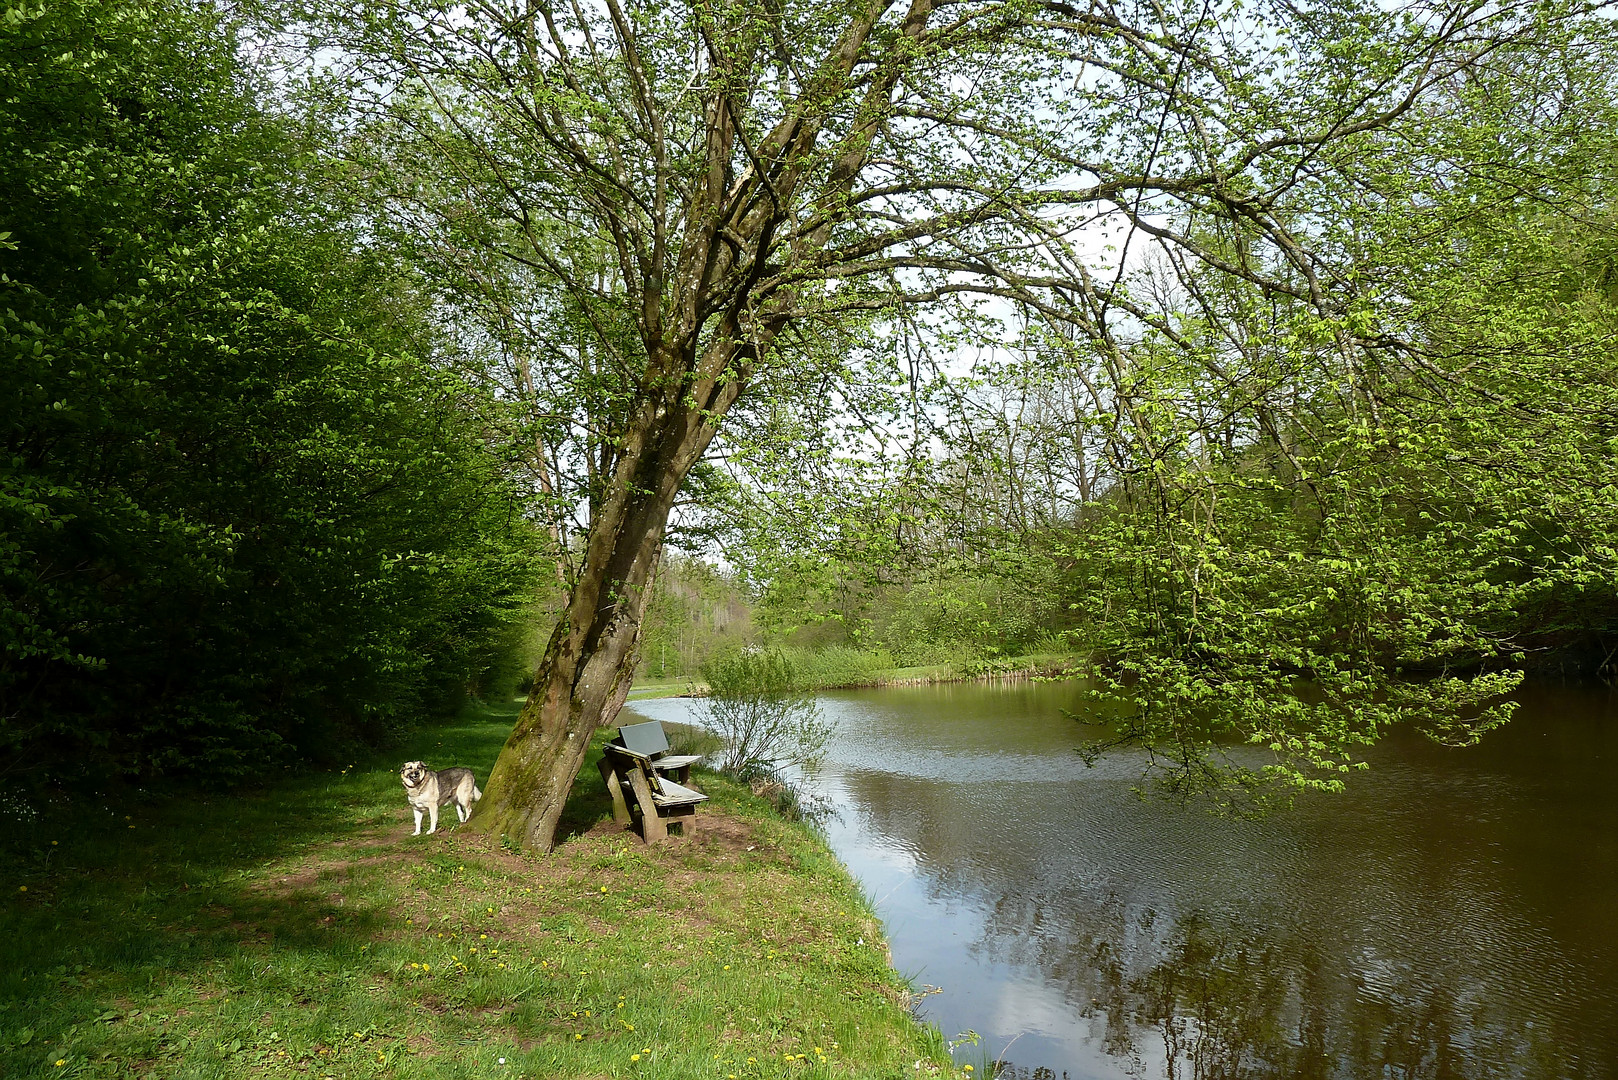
854	670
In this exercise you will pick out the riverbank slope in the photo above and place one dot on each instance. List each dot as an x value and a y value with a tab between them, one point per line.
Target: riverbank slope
302	931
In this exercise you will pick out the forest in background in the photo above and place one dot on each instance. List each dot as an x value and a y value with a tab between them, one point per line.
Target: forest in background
304	439
250	515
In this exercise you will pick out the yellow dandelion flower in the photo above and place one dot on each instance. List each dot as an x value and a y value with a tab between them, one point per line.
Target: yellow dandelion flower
60	1062
968	1068
22	888
634	1057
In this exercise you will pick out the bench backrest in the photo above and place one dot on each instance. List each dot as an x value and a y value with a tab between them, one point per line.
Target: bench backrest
647	739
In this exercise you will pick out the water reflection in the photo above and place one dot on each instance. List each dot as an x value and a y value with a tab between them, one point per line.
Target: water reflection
1452	916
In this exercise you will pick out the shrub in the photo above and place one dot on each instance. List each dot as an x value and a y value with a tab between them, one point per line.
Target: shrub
769	721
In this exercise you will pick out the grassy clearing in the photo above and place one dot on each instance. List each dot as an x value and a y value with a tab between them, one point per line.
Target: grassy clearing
305	933
654	688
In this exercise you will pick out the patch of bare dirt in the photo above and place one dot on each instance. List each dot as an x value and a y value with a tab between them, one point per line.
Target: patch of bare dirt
722	833
307	873
422	1045
291	883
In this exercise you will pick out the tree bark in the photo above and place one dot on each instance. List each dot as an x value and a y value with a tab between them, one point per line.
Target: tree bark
585	675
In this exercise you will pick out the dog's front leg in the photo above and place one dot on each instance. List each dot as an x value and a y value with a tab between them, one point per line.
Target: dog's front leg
433	810
417	809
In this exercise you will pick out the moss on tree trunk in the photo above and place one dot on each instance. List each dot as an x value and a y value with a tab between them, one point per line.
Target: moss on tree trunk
589	663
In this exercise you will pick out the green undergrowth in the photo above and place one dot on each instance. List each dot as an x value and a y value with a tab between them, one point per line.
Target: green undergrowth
301	931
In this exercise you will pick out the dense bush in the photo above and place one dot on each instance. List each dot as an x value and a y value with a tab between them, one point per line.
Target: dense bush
243	514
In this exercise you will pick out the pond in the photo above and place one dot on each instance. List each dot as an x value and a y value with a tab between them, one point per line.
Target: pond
1454	914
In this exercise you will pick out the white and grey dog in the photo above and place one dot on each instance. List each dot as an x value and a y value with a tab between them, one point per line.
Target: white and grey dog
428	790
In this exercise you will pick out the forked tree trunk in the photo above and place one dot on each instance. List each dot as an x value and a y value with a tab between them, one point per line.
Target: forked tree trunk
585	675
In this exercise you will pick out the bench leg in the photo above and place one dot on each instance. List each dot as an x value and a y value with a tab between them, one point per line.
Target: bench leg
688	821
651	823
620	809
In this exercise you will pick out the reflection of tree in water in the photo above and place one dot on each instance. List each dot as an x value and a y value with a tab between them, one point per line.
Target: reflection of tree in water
1219	1006
1231	1006
1299	977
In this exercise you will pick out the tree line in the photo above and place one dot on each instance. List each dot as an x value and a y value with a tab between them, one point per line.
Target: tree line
250	513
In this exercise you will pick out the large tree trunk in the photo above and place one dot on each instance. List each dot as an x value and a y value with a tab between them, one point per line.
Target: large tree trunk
585	674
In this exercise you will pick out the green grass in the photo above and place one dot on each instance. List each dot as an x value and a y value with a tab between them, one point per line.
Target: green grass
655	688
304	933
841	667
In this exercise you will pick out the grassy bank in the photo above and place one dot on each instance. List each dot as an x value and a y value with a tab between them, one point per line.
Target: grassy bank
302	932
842	668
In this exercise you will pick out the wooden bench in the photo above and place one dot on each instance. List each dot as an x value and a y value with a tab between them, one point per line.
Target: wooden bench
638	757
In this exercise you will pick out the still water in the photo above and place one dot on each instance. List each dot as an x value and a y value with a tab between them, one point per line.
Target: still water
1454	914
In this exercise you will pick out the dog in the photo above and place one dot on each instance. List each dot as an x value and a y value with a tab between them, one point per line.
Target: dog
428	790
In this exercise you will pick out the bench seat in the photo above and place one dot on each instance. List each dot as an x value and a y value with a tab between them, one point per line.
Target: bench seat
637	760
